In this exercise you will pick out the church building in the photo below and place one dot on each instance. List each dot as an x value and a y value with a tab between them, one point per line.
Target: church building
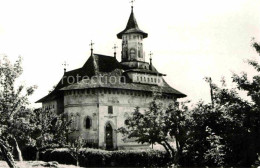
100	96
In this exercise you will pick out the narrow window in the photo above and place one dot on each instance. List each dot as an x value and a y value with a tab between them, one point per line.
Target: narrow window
88	123
110	109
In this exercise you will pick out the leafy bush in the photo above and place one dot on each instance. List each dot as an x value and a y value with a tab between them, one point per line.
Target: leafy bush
101	158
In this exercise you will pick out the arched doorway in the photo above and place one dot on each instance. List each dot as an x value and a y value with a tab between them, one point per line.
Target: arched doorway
109	137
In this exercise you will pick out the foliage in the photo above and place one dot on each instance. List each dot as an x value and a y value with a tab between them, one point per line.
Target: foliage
215	152
102	158
226	132
38	128
159	125
75	147
13	99
49	129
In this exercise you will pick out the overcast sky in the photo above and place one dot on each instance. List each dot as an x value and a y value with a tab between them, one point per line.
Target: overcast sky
190	39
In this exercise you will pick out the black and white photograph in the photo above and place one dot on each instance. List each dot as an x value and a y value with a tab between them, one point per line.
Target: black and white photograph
129	83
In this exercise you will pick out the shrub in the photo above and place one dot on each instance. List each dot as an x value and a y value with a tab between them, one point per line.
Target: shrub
101	158
61	155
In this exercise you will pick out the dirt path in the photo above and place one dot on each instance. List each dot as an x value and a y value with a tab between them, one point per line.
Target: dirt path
36	164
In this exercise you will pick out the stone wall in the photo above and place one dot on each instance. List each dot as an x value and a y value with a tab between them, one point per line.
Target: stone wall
95	103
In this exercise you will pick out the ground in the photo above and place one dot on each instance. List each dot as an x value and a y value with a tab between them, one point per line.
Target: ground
36	164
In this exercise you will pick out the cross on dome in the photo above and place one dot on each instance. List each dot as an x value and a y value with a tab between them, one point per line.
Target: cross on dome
91	47
132	2
115	47
65	65
150	54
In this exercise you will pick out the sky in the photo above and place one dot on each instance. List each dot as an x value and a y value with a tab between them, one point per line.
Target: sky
189	39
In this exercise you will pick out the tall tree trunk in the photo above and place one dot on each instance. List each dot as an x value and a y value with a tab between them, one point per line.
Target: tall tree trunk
211	91
77	163
7	154
37	155
20	157
172	152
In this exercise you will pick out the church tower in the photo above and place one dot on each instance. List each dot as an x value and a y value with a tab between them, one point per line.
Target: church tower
132	41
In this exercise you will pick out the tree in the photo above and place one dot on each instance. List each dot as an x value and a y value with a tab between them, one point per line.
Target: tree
75	147
219	129
158	125
12	100
234	121
251	118
177	121
215	152
47	129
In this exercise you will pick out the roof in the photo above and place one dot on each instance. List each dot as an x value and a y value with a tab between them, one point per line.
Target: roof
95	64
132	27
126	86
101	66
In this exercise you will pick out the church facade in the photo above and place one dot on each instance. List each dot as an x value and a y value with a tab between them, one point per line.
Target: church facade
100	96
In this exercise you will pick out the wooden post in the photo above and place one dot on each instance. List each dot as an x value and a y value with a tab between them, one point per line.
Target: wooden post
211	92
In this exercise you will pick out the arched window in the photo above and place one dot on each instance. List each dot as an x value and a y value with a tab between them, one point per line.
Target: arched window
88	123
132	53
